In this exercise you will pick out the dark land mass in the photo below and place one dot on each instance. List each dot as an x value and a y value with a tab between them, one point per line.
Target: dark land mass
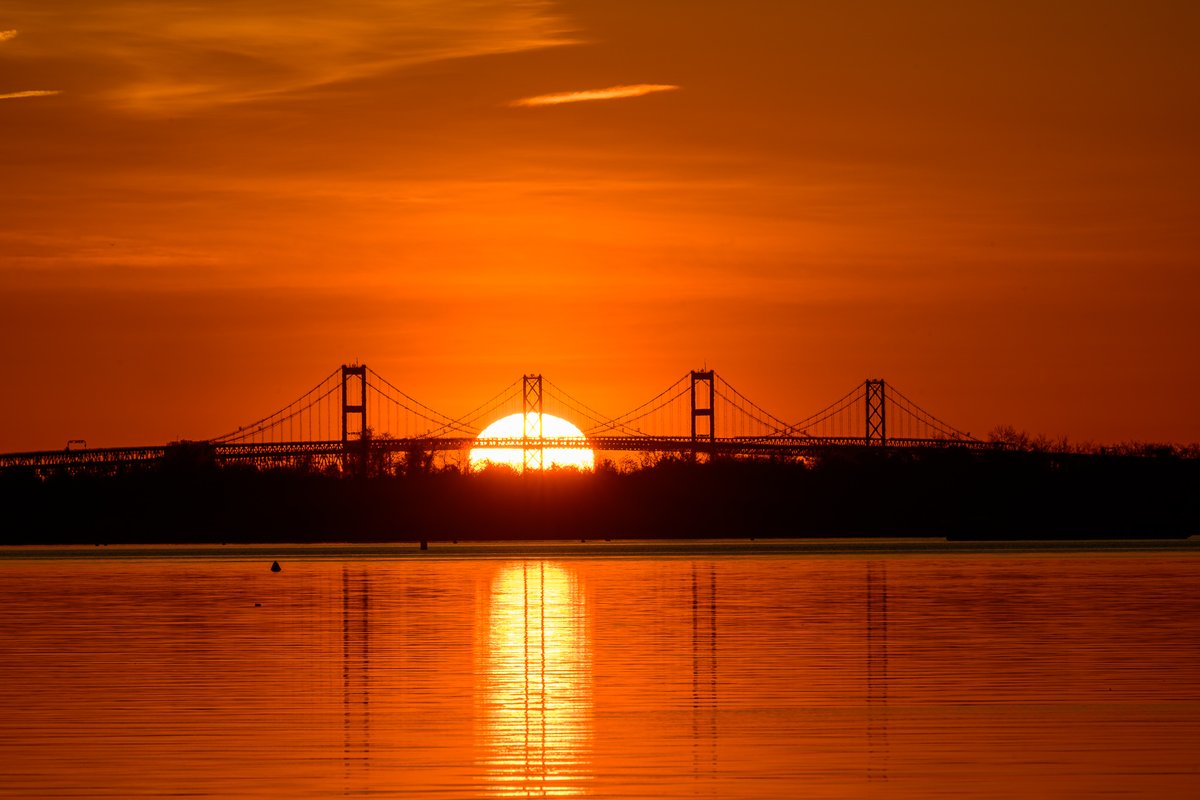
957	494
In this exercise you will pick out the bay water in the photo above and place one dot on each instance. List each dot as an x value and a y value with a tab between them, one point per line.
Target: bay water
821	669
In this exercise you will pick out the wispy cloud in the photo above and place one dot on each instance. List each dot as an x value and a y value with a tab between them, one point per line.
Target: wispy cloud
611	93
4	37
34	93
179	56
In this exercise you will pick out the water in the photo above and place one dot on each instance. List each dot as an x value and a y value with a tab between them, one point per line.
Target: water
727	670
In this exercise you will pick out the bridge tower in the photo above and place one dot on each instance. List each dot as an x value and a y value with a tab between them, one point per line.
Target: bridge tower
876	431
354	388
531	407
704	424
354	408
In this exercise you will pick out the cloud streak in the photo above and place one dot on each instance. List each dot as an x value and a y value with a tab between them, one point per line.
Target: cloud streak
34	93
611	93
4	37
178	56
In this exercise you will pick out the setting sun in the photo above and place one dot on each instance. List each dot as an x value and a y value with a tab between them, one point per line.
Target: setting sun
514	427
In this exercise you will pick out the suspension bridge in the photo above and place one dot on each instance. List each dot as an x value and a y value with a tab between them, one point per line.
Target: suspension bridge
355	417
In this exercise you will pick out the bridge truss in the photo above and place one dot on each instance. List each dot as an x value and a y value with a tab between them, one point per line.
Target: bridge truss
355	419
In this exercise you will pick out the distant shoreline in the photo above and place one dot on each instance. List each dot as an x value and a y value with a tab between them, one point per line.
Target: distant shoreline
611	549
953	495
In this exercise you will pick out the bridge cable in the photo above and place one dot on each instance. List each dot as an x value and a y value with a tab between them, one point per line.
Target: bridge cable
625	420
446	419
779	425
466	420
945	427
622	420
259	424
603	422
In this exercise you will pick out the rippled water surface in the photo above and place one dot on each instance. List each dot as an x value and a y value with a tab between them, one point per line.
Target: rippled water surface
605	669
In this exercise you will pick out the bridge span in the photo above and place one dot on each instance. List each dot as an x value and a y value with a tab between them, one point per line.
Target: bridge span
355	417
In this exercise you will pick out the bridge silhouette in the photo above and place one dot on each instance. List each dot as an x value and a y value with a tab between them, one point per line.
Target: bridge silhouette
355	417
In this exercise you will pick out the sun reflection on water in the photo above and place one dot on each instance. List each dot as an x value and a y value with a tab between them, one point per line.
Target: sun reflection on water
538	724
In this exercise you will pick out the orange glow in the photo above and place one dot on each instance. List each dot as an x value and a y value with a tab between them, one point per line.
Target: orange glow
515	426
992	204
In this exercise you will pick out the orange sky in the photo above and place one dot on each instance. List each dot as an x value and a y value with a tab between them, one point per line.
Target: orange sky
203	212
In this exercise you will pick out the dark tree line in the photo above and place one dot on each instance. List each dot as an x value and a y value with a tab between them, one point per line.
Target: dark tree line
1015	439
1011	494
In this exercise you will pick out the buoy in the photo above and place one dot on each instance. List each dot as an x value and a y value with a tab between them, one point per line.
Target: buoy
424	545
275	567
258	605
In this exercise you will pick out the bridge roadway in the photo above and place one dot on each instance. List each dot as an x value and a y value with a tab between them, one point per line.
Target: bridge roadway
282	453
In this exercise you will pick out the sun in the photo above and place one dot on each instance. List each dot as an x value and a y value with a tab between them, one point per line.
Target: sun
513	427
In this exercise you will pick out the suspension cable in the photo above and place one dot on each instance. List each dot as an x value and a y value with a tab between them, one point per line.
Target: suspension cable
259	423
779	425
946	428
463	423
606	423
445	419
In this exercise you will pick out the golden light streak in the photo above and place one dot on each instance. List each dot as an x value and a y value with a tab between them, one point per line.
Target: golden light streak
611	93
538	679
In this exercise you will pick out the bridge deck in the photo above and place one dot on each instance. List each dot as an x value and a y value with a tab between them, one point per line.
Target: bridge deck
273	453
